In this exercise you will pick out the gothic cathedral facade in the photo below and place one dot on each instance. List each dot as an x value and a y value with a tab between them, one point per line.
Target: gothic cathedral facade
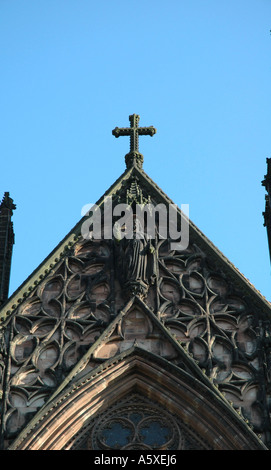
130	342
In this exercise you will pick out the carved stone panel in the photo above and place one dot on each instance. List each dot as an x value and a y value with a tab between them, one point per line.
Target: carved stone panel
215	324
53	328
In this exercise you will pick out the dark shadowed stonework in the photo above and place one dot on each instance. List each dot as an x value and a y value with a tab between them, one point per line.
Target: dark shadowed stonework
6	244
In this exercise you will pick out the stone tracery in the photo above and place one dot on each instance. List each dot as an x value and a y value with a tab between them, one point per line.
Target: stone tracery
136	423
68	312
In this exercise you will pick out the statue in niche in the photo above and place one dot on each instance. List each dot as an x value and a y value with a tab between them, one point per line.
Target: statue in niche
136	260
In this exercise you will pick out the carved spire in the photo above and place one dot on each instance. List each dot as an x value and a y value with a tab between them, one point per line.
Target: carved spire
134	157
6	244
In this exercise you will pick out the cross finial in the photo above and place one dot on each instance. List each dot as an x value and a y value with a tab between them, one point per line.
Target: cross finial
134	158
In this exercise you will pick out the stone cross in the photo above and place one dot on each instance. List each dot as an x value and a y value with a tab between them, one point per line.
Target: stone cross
134	157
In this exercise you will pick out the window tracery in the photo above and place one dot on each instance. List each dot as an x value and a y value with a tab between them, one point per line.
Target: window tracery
136	423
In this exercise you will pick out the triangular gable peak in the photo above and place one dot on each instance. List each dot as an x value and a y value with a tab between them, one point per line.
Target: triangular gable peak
136	326
120	192
84	305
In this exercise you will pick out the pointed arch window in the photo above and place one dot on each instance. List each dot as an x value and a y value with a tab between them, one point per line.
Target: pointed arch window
135	423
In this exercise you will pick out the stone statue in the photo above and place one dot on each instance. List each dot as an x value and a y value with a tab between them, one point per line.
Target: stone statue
136	261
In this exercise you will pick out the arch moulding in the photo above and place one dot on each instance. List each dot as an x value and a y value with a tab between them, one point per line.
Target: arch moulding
200	408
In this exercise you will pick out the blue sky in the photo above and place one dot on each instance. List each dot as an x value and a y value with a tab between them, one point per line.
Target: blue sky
197	70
